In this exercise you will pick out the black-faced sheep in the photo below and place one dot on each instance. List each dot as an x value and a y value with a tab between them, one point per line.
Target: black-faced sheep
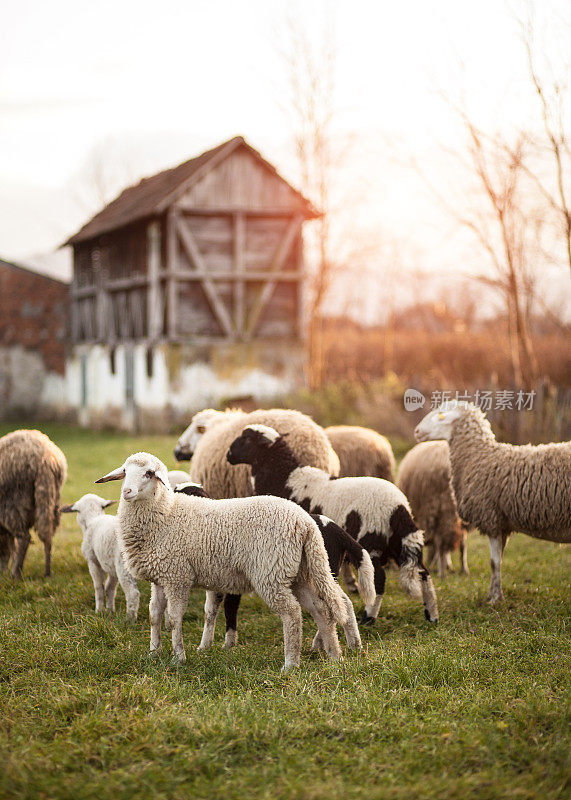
371	510
219	428
100	548
424	477
261	544
502	488
32	472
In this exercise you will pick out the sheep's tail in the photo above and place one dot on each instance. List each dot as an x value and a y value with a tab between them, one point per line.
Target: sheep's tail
318	565
415	578
361	560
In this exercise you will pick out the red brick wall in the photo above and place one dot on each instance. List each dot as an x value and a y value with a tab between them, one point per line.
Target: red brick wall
34	313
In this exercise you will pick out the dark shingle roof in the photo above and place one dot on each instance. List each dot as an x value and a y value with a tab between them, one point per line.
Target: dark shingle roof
153	195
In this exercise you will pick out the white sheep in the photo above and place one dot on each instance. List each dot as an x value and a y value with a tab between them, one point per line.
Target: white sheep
502	488
100	547
211	433
373	511
362	452
261	544
424	477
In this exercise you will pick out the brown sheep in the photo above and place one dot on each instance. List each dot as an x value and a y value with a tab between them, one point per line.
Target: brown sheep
362	452
32	472
424	477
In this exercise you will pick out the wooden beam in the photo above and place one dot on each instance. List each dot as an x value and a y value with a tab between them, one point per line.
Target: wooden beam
171	265
154	316
189	209
276	264
194	256
239	286
224	275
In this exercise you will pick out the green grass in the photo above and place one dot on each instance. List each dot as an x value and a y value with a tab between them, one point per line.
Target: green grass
476	707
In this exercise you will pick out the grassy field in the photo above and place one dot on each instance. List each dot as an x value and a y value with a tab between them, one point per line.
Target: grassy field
477	707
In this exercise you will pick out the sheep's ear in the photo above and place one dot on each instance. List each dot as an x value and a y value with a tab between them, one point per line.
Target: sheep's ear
108	503
116	475
67	509
150	473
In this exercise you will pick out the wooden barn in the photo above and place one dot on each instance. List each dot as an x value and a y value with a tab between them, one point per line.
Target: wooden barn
187	291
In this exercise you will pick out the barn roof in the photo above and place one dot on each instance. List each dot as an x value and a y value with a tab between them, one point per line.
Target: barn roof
155	194
31	271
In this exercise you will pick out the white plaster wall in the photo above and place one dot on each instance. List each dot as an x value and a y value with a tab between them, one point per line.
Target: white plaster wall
25	383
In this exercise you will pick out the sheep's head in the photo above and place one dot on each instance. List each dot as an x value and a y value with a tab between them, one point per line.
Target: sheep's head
88	504
253	443
142	475
200	423
439	423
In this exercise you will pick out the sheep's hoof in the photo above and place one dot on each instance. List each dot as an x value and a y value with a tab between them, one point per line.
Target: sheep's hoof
154	654
177	660
429	618
202	647
288	668
494	599
231	639
366	619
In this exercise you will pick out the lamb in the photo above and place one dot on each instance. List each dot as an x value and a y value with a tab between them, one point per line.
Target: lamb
502	488
373	511
338	545
210	434
424	477
261	544
32	473
362	451
100	548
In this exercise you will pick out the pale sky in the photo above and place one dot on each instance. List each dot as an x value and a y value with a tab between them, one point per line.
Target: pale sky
158	83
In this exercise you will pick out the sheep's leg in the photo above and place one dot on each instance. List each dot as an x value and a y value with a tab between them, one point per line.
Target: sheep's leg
371	613
348	578
6	547
350	628
130	589
497	545
48	559
211	607
442	561
157	607
324	620
428	594
22	548
177	601
284	603
98	578
464	553
231	605
110	592
430	554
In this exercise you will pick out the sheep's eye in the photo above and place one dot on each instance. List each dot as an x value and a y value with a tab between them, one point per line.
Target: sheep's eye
200	429
149	474
441	416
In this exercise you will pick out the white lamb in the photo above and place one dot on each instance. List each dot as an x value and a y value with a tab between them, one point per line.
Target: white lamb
100	548
262	544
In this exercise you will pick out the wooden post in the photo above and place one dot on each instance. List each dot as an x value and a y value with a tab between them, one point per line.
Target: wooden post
154	321
172	259
100	333
239	286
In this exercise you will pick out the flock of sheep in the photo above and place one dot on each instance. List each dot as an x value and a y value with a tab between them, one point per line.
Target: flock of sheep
276	505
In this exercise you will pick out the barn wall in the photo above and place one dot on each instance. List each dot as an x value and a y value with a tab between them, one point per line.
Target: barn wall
33	332
184	379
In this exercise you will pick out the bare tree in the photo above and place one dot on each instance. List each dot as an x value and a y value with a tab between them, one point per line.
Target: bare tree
310	104
551	90
107	168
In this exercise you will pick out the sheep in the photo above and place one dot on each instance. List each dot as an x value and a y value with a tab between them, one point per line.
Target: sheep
261	544
32	471
373	511
177	476
502	488
338	545
100	548
208	449
362	452
424	477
